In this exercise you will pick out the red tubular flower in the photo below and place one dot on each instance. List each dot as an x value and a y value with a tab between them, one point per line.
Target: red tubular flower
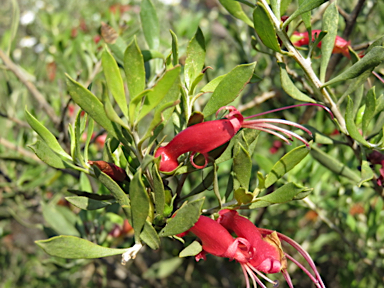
341	45
204	137
112	170
257	250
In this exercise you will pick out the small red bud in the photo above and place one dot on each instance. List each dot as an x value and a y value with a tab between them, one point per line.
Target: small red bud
113	171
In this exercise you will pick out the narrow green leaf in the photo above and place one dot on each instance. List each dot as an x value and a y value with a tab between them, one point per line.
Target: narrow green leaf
282	195
159	91
15	19
71	247
370	108
229	88
150	236
378	42
175	49
203	185
114	80
78	132
306	5
329	24
90	104
46	135
158	189
151	54
191	250
150	24
139	203
46	154
333	164
368	62
289	87
58	221
86	203
134	69
234	8
351	127
306	18
275	5
366	173
264	28
211	86
285	164
242	166
358	82
195	58
185	218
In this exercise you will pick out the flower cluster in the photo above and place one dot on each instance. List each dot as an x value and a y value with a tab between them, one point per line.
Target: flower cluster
257	250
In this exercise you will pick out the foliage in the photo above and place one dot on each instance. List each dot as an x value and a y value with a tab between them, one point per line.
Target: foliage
114	82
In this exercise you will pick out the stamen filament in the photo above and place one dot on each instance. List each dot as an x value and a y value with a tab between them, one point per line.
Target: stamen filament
261	274
254	277
280	121
314	280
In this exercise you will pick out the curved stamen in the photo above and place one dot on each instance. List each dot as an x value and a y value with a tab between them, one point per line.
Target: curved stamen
273	133
314	280
292	106
262	275
245	276
254	277
287	278
280	121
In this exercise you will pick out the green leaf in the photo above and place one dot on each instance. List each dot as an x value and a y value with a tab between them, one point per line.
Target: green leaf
366	173
191	250
175	49
185	218
134	69
158	189
234	8
139	203
150	24
242	166
275	5
378	42
114	80
211	86
282	195
195	58
78	132
58	221
203	185
285	164
86	203
15	19
264	28
370	108
358	82
46	135
151	54
71	247
163	268
306	18
229	88
351	127
90	104
49	157
368	62
289	87
242	196
159	91
333	164
329	24
149	236
306	5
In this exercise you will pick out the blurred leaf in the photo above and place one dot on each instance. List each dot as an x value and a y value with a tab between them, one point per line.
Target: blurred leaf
368	62
159	91
329	24
184	218
229	88
195	58
163	268
242	167
283	194
46	135
114	80
150	24
290	88
90	104
234	8
358	82
134	69
377	43
191	250
71	247
370	108
275	5
306	5
175	49
149	236
366	173
139	203
333	164
351	127
264	162
151	54
264	28
86	203
58	221
285	164
14	24
46	154
203	185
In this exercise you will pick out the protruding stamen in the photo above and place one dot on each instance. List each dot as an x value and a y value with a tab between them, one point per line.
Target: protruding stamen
314	280
262	275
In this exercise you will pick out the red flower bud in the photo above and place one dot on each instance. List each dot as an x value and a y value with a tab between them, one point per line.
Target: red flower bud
112	170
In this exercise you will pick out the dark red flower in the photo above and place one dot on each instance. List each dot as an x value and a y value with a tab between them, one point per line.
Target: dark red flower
112	170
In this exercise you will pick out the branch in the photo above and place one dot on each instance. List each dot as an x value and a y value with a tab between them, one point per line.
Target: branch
17	121
32	89
257	100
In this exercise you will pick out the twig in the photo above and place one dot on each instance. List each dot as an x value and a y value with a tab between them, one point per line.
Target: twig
17	121
32	89
257	100
20	150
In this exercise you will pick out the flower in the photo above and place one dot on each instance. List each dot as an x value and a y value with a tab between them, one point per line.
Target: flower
256	250
341	45
204	137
